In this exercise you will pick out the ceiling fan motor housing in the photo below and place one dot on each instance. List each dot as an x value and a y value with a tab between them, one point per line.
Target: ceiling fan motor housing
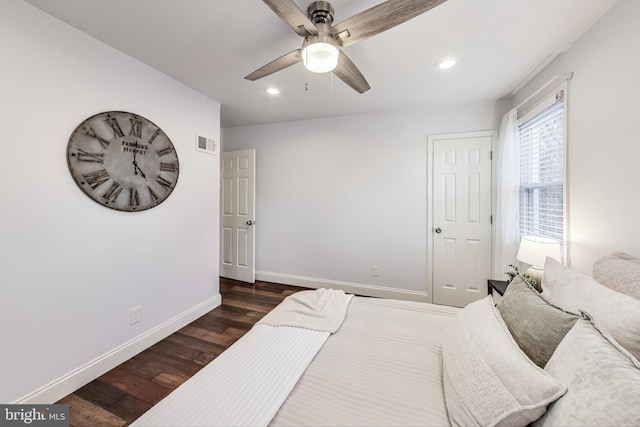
320	12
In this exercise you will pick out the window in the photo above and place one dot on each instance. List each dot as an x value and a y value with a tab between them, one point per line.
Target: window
542	141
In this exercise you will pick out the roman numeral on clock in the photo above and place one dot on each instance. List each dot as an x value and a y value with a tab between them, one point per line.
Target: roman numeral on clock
133	198
113	122
90	132
154	136
166	184
95	179
164	151
113	192
136	127
85	156
153	195
168	167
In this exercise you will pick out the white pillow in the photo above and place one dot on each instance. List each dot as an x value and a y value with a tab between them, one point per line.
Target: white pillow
573	291
487	379
603	380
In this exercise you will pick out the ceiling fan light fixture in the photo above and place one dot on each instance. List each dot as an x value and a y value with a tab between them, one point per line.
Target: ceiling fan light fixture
320	57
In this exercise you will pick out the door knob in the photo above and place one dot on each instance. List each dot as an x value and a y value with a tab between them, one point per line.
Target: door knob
250	222
438	230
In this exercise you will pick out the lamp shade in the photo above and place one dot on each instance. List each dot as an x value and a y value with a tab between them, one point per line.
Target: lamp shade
535	250
320	57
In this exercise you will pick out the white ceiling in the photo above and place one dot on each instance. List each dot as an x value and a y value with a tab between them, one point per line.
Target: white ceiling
210	45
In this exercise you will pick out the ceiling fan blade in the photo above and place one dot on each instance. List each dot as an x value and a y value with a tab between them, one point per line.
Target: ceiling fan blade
380	18
281	63
290	13
347	71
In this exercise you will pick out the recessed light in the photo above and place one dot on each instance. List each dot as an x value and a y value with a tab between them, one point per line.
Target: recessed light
273	91
446	63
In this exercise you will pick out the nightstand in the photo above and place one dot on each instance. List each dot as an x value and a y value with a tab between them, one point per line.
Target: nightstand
499	286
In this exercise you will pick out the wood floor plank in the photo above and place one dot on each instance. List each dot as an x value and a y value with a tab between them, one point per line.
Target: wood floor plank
144	366
206	335
196	343
235	333
244	321
171	378
134	385
114	400
122	395
130	408
184	352
182	365
214	323
85	413
100	393
248	306
255	291
252	295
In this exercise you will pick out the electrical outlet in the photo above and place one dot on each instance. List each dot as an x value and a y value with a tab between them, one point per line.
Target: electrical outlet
375	270
135	315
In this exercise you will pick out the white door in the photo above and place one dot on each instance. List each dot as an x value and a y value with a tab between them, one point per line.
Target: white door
460	230
238	215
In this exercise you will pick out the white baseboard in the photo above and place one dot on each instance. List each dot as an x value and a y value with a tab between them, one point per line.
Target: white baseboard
81	376
353	288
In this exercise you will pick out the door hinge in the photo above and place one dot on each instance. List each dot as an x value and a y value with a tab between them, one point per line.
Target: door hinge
491	219
491	155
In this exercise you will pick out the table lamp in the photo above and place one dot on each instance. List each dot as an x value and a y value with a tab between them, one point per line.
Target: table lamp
534	252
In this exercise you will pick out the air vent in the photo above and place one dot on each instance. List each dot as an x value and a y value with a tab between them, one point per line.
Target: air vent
206	145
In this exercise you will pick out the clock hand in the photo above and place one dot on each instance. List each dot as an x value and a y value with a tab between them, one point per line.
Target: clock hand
135	165
136	168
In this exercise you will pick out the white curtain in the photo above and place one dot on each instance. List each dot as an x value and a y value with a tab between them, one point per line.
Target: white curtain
507	235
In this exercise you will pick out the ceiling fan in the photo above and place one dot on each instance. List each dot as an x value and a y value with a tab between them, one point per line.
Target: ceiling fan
320	51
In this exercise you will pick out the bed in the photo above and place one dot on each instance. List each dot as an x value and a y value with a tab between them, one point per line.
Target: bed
566	356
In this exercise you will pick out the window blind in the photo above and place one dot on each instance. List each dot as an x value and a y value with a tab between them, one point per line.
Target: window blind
542	173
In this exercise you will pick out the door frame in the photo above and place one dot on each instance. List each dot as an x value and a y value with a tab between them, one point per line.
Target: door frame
430	204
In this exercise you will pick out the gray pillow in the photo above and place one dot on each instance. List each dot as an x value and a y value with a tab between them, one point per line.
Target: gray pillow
487	379
620	272
603	380
574	291
537	326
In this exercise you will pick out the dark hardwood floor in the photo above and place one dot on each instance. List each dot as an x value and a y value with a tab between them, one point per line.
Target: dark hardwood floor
121	395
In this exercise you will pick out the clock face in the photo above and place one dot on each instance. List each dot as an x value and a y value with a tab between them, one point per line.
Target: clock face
122	161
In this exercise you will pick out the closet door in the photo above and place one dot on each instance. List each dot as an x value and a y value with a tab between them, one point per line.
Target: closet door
461	218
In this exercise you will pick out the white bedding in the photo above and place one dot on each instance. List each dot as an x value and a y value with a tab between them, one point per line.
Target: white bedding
382	367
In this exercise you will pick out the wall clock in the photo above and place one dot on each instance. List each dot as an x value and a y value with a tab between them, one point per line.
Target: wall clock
123	161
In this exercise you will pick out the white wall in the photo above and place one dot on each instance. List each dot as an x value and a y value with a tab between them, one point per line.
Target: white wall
603	128
335	196
70	269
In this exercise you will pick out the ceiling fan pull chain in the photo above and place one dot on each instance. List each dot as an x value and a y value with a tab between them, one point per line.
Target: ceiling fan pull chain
331	83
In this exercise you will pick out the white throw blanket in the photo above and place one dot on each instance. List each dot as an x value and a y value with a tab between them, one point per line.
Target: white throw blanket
244	386
247	384
318	310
